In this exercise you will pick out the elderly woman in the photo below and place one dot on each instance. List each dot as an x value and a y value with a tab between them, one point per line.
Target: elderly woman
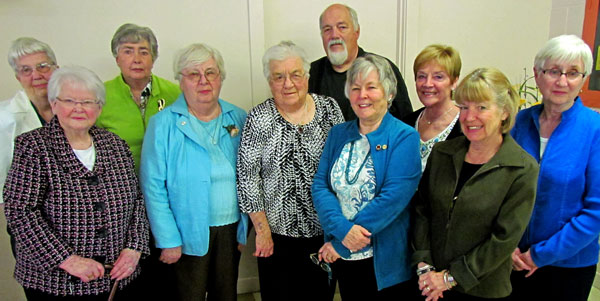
132	97
189	180
136	94
475	197
559	250
436	69
72	199
368	173
282	141
33	62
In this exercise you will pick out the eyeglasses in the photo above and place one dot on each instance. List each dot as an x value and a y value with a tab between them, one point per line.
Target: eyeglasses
314	257
71	103
210	74
295	77
557	73
41	68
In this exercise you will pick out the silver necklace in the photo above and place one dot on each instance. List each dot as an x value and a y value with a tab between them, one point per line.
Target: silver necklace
430	122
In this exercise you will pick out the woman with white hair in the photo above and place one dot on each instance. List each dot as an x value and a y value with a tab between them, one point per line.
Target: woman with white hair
368	173
189	180
279	153
73	201
33	62
557	256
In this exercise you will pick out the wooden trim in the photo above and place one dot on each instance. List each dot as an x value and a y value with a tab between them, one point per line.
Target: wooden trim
590	98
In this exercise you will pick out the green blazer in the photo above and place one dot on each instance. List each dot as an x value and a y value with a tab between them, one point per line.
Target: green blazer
122	116
474	241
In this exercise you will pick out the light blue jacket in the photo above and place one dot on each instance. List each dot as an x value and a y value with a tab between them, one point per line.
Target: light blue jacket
563	230
175	177
397	163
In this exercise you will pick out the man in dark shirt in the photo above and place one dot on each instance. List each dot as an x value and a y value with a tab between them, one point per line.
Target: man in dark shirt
339	32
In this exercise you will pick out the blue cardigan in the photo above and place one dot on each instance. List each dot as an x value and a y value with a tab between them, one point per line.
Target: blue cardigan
397	172
563	230
175	177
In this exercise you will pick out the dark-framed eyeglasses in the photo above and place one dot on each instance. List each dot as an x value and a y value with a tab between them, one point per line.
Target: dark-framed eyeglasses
41	68
210	74
557	73
86	103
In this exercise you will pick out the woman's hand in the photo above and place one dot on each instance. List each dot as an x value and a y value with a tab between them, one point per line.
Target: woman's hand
432	285
264	245
170	255
125	264
357	238
85	269
328	254
523	261
264	241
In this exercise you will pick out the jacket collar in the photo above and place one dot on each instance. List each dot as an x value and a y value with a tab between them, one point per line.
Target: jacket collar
180	107
380	131
66	157
507	155
566	116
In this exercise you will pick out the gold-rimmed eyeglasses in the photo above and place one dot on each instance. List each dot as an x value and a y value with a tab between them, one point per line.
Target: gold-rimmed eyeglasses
295	77
557	73
86	103
210	74
41	68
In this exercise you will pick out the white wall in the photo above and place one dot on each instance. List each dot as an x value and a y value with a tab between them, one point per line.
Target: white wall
503	34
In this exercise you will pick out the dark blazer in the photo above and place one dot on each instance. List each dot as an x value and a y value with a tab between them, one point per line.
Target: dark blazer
55	208
411	119
476	238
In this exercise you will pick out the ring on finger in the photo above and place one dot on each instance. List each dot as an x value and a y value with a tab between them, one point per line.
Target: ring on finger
428	288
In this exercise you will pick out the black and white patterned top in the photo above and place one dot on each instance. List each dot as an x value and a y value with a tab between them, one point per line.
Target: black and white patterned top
276	164
56	207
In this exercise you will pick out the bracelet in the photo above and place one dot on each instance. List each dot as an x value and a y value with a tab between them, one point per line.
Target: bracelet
449	280
425	269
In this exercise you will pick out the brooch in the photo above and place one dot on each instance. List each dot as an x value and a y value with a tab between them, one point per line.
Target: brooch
232	129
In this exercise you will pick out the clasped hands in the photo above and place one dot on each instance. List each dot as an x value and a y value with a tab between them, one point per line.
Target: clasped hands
88	269
523	261
432	284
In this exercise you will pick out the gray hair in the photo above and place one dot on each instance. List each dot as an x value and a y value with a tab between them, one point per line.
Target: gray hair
362	66
25	46
283	51
132	33
351	11
565	48
79	77
197	54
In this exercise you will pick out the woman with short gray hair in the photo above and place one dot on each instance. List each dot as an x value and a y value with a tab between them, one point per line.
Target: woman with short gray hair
369	170
557	256
279	152
189	181
73	202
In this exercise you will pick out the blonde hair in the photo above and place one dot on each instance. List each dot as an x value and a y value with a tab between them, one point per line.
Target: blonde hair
490	84
443	55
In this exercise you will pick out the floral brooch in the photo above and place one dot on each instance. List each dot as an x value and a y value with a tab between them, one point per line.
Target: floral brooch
232	129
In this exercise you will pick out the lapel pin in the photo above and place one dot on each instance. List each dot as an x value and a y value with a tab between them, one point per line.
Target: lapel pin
378	147
161	104
384	146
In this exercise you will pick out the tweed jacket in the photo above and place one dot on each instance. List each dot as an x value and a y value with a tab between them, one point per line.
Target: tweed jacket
474	239
55	208
122	116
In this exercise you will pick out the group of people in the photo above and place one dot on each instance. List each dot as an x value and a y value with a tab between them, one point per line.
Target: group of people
340	180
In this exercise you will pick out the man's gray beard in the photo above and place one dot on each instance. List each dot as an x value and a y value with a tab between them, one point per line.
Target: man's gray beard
338	58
